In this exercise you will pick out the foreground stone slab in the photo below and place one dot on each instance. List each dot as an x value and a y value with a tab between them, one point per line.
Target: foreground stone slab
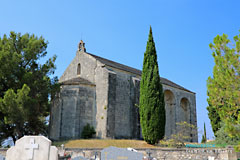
80	158
120	153
32	148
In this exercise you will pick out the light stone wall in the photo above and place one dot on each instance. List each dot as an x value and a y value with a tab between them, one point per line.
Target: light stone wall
101	76
88	68
93	71
168	153
72	110
175	113
162	153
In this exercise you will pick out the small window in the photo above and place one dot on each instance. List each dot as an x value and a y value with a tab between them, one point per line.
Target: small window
79	69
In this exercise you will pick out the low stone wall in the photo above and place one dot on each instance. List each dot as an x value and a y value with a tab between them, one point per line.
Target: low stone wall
168	153
162	153
3	151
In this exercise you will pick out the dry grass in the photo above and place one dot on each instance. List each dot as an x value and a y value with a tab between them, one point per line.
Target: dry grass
99	143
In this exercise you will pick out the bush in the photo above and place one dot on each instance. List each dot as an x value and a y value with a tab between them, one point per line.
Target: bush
184	133
223	138
171	143
88	132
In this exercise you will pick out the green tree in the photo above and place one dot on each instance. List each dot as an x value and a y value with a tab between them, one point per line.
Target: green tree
25	85
224	87
214	118
204	136
152	109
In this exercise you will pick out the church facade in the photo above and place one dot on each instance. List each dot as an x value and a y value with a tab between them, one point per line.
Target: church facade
105	94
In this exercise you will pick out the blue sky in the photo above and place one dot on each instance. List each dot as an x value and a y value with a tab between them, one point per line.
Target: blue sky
118	30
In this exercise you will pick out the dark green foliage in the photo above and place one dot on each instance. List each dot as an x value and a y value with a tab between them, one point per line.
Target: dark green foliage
25	85
152	109
214	118
204	136
88	132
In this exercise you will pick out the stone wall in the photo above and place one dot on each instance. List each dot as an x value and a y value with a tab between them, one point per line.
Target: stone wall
123	120
162	153
168	153
102	83
94	72
180	106
87	71
72	110
3	151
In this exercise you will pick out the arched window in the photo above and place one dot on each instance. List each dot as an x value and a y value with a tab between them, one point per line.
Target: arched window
185	110
184	104
79	69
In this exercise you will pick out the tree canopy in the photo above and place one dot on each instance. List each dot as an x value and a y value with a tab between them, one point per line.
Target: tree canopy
224	87
25	85
152	107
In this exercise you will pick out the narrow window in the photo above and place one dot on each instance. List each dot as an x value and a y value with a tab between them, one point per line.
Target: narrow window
79	69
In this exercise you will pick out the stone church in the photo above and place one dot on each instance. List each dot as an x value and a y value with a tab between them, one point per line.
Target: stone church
105	94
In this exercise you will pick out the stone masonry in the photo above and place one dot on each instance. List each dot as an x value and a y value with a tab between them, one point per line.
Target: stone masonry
105	94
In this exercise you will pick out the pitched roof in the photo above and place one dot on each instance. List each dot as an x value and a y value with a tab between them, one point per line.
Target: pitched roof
135	71
76	81
117	65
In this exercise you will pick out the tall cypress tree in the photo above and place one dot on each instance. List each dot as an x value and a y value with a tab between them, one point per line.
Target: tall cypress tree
205	133
204	136
152	107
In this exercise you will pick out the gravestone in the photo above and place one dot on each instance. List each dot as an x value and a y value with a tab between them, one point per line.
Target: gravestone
2	157
80	158
210	158
32	148
120	154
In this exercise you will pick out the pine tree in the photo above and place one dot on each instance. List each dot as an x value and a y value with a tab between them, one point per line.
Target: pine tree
25	85
152	107
224	86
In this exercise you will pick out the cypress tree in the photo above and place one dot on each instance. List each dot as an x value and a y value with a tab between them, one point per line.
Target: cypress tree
152	107
204	136
205	133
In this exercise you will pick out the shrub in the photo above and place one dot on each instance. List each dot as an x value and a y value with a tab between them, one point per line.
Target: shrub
184	132
223	138
88	132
